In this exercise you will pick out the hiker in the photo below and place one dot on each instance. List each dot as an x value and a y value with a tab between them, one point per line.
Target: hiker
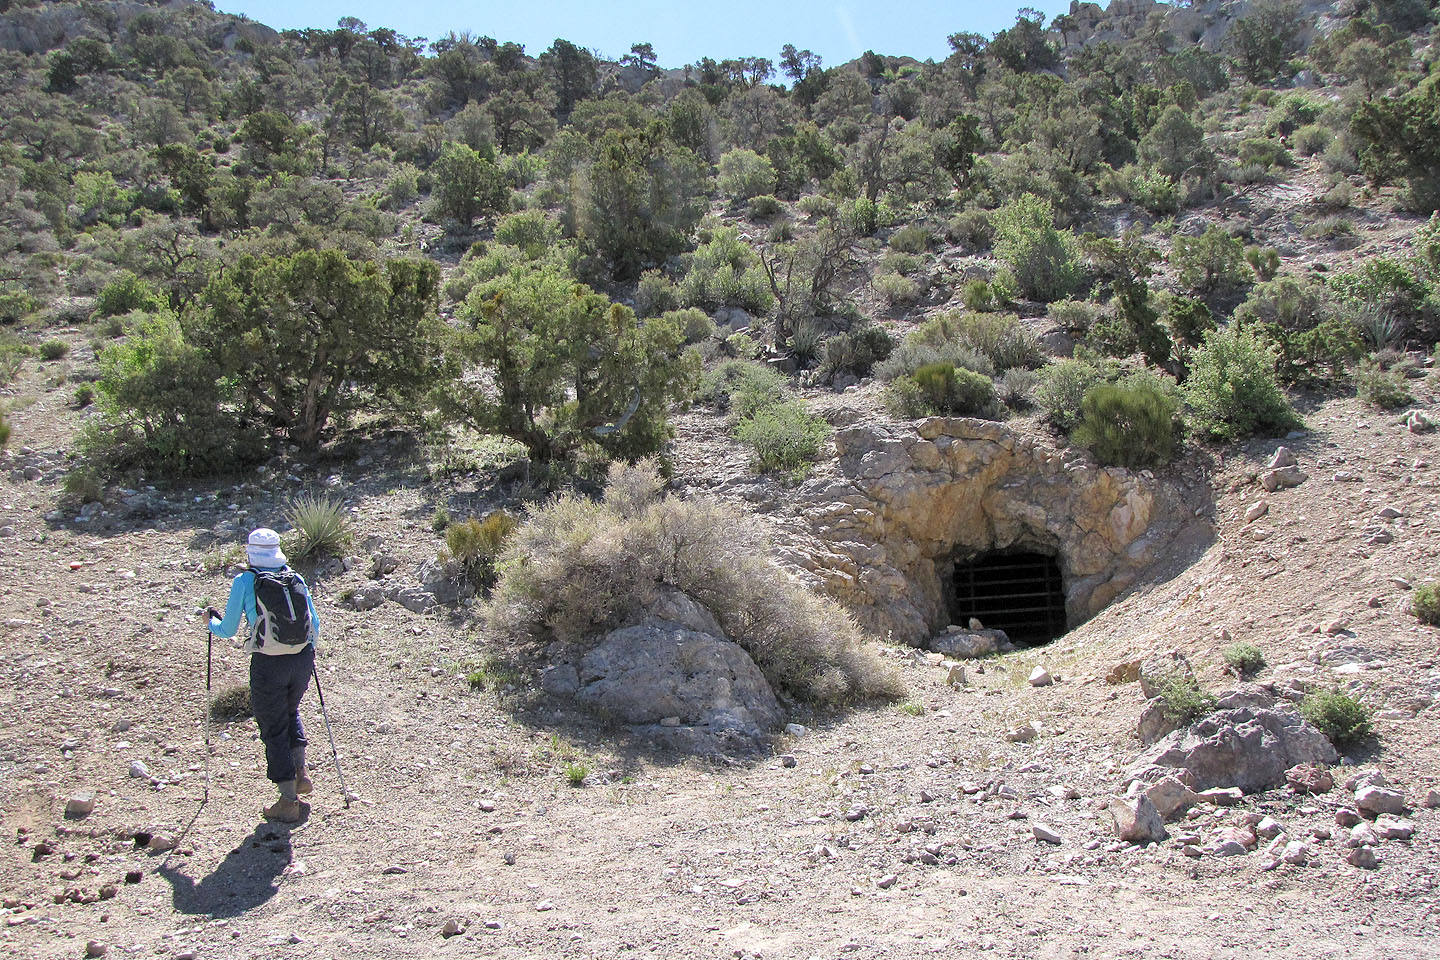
283	630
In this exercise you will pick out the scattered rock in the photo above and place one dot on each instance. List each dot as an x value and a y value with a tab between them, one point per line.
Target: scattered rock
969	644
1171	797
80	805
161	842
1364	858
138	770
1244	747
1022	733
887	881
1284	457
452	928
1272	480
1045	833
1432	798
1222	796
1377	800
1392	829
544	906
956	677
1268	829
95	948
367	597
1256	511
1309	778
1136	819
1155	723
1040	677
1296	853
1229	848
1347	816
1127	671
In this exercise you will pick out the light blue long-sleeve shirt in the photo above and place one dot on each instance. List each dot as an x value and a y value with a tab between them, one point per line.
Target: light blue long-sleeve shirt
242	602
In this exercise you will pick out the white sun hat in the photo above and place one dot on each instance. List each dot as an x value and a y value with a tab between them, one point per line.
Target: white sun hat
263	548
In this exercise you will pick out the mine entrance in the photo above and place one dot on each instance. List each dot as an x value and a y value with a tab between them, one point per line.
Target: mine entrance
1020	593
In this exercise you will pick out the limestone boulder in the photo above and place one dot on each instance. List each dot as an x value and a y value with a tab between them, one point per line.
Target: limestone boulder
691	687
1246	748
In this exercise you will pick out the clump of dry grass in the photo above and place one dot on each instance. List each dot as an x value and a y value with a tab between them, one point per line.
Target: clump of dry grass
580	567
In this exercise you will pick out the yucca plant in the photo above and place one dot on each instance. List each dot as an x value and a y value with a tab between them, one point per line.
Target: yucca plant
321	527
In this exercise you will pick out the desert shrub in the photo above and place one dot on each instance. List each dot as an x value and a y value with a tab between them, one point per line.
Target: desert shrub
725	271
127	293
742	387
474	544
1291	112
901	263
784	436
1232	390
1245	659
742	345
1128	426
1016	387
1043	261
15	305
695	324
1110	336
530	230
910	239
401	187
1156	193
972	229
4	430
579	568
856	351
764	207
1000	339
896	290
1323	353
1182	698
1265	153
1209	263
1332	227
655	294
1265	261
1295	304
1074	315
1062	389
806	342
83	484
230	704
1189	319
54	349
978	295
13	352
942	389
1384	388
1341	717
1312	139
321	527
1425	603
745	174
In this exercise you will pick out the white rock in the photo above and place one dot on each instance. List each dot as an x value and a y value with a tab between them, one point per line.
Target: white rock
81	804
1045	833
1379	800
887	881
1256	511
796	729
1391	829
139	770
1296	853
1136	819
1040	677
1363	857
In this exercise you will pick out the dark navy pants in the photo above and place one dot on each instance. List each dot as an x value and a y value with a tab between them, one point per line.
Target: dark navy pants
276	686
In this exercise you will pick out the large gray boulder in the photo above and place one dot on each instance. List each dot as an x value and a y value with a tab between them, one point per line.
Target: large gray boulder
688	686
1246	747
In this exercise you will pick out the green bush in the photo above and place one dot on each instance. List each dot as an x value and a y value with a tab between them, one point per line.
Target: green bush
1385	389
1232	390
1312	139
580	567
1062	388
474	544
972	229
805	343
655	294
942	389
1210	263
910	239
4	430
980	296
1189	319
745	174
726	272
784	436
1265	261
127	293
1245	659
1425	603
742	387
1074	315
1128	426
1182	699
15	305
1341	717
695	324
321	527
896	290
530	230
764	207
855	351
1043	261
53	349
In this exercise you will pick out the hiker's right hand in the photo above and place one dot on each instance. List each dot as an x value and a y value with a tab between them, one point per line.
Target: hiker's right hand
213	614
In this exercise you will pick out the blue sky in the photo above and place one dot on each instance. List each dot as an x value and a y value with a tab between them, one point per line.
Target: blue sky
681	32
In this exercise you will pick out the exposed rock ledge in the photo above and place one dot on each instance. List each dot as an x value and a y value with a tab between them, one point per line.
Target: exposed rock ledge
882	528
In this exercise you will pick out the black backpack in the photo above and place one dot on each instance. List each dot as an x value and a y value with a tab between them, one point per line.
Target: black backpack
282	609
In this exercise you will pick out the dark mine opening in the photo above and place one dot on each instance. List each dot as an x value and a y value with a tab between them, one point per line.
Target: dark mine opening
1020	593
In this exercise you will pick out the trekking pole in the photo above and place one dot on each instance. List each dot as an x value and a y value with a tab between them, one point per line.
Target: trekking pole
205	714
334	754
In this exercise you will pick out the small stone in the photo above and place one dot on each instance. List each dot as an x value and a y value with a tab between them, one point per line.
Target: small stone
1347	816
394	870
1192	850
1362	834
1045	833
795	729
887	881
1432	798
1284	457
544	906
1256	511
1136	819
1364	858
1296	853
1223	796
1022	733
1268	829
1040	677
161	842
787	760
956	677
492	925
1229	848
1377	800
1392	829
95	948
80	805
138	770
1338	625
452	928
1309	778
1171	797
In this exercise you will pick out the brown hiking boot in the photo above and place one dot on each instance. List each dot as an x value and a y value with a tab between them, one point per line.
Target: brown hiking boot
302	782
285	811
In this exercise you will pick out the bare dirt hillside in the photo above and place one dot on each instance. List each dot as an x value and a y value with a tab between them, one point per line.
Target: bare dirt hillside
884	832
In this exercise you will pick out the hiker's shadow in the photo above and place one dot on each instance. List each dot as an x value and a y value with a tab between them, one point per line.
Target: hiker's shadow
242	881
